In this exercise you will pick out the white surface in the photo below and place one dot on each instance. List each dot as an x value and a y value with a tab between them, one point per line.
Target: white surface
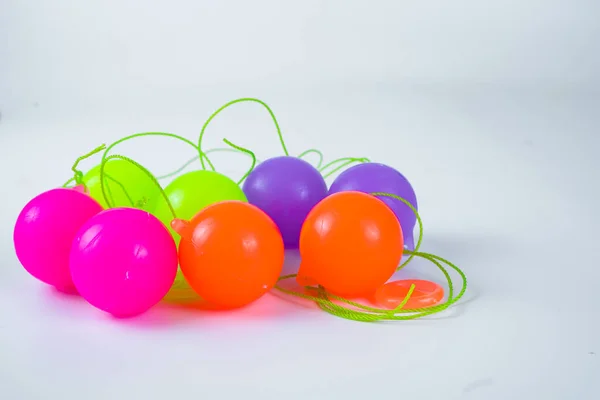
490	108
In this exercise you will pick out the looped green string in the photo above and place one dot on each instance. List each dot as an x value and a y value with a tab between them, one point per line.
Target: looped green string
247	152
227	149
315	151
364	313
108	198
201	154
235	102
144	170
346	161
417	313
67	183
78	175
207	152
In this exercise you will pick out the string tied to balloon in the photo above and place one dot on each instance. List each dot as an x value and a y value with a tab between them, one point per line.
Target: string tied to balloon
203	155
241	100
145	171
360	312
244	150
106	191
77	174
344	161
313	151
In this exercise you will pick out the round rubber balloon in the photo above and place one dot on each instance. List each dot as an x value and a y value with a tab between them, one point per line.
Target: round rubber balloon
351	243
45	230
231	253
374	177
123	261
191	192
286	188
125	185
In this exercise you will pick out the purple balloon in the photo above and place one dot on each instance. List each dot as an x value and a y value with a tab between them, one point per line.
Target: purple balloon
286	189
374	177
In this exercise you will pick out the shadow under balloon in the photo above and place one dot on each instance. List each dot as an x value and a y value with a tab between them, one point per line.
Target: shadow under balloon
167	314
464	249
182	295
466	252
267	308
182	306
470	253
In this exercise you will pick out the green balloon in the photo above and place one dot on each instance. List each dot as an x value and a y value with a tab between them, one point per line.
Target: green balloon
193	191
125	185
189	194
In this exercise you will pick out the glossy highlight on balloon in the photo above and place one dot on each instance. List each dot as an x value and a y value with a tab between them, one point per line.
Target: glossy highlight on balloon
45	229
286	188
123	261
374	177
191	192
231	253
351	244
125	185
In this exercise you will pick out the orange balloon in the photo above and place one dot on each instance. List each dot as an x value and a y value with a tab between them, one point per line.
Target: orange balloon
350	243
231	253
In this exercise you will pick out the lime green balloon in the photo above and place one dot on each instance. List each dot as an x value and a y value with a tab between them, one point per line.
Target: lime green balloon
193	191
125	185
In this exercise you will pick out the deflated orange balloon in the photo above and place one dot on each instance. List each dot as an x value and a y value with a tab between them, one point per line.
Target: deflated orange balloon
350	243
425	294
231	253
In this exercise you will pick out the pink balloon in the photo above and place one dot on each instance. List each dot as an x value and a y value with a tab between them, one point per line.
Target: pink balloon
45	230
123	261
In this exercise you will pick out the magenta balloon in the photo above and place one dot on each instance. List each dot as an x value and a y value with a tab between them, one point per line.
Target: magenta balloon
45	230
286	189
374	177
123	261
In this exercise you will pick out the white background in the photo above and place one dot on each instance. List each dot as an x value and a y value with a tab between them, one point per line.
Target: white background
490	108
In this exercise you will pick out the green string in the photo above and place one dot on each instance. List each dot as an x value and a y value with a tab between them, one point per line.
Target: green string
215	150
235	102
420	311
144	170
315	151
192	160
201	155
108	198
77	174
233	150
247	152
364	313
344	161
110	195
67	183
204	155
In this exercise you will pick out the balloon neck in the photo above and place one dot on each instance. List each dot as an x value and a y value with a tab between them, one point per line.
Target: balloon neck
182	228
81	189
